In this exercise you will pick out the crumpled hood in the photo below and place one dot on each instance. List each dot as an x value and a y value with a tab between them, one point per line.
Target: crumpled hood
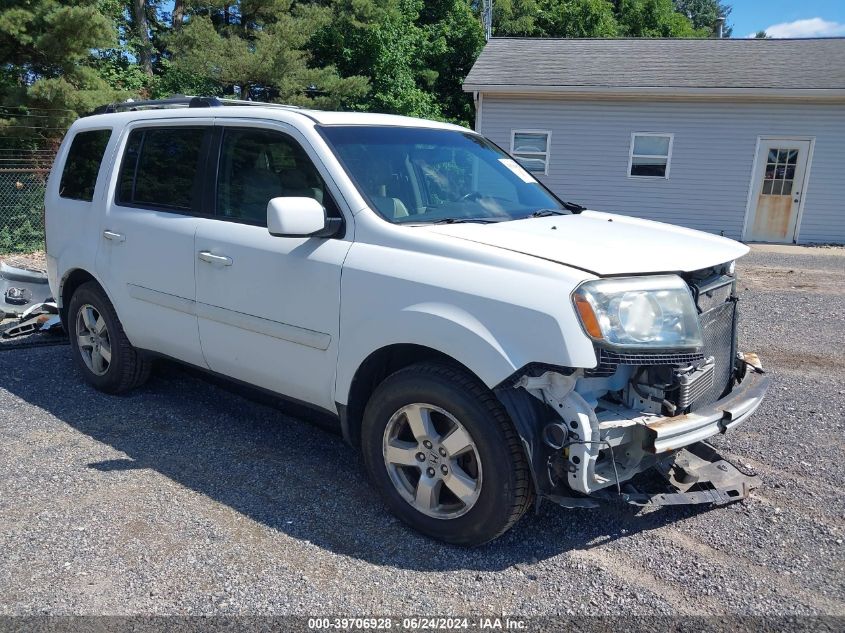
603	243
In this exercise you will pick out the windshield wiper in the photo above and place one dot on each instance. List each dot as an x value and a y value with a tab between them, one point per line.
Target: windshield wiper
543	213
572	207
464	220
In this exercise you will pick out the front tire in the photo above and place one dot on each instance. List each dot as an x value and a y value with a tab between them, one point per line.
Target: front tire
444	455
99	345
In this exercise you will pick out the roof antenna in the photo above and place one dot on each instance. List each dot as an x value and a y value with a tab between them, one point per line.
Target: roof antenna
487	19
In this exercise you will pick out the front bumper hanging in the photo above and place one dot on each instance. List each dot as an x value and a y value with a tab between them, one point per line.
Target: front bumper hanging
683	430
694	475
584	456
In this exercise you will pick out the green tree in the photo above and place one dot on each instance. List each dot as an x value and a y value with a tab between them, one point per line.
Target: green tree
401	56
396	46
414	53
761	35
119	64
578	18
517	18
50	62
454	38
256	49
594	18
705	14
654	18
177	16
141	31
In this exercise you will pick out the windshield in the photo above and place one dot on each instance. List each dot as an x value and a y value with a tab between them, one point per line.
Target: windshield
413	175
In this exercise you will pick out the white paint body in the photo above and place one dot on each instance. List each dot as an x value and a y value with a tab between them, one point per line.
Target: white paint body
299	315
294	216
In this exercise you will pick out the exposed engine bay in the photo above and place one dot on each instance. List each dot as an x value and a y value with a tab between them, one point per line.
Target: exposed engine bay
600	427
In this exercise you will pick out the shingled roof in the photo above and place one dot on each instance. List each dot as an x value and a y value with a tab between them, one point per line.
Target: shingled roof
742	66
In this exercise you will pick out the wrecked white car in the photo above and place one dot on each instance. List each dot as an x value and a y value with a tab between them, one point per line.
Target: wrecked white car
484	343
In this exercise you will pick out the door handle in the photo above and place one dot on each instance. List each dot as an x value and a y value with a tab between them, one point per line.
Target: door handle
211	258
114	237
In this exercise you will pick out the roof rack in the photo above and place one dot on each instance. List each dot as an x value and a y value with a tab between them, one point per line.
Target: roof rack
183	101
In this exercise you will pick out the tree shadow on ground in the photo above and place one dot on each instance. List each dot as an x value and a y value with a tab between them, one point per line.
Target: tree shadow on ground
256	455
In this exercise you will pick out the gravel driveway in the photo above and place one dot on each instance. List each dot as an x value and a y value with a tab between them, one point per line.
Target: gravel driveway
186	497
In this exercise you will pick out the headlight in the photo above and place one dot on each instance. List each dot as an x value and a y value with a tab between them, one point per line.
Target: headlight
639	312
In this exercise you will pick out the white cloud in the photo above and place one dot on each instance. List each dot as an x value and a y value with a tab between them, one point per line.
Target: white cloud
812	27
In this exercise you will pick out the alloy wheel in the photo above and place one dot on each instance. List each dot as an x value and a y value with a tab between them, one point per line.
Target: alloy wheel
432	461
92	337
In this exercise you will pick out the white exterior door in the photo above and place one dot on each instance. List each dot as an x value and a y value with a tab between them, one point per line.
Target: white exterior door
146	258
777	189
268	307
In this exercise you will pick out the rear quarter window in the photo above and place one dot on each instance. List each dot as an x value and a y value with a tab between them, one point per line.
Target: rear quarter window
79	176
160	168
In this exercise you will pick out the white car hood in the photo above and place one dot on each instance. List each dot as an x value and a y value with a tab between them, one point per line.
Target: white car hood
603	243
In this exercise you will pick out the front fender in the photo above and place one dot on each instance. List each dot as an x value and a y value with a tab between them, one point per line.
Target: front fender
491	355
490	310
450	321
447	329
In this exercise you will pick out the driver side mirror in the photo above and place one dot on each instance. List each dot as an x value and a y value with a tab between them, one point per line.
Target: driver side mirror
299	217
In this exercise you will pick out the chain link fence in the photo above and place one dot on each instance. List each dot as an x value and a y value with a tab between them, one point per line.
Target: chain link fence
29	140
23	179
22	210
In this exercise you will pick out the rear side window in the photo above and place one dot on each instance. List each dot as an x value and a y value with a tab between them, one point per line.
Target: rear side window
83	164
160	168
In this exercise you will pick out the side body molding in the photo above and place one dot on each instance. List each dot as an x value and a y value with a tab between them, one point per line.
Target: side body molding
276	329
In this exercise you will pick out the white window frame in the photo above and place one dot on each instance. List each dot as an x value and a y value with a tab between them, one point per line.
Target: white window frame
546	156
668	156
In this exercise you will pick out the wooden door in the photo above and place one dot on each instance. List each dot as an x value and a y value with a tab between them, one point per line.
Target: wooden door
778	185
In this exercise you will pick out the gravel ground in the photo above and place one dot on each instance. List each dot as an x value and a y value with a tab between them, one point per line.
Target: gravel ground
36	260
188	498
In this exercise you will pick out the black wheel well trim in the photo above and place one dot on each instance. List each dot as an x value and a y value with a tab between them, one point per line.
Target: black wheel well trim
529	416
391	358
68	285
372	371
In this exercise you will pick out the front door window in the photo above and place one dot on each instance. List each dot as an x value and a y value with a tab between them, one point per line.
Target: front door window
258	165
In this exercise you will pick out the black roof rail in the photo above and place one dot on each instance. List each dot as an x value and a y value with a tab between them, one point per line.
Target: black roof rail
174	101
183	101
262	104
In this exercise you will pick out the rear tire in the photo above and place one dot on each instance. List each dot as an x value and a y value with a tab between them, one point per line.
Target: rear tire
99	345
444	455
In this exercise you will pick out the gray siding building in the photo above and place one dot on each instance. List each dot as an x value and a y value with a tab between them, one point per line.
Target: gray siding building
744	138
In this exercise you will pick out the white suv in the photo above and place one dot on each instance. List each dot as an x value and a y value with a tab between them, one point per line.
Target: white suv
483	342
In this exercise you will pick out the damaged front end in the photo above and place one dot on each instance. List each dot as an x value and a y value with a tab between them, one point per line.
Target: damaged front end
588	432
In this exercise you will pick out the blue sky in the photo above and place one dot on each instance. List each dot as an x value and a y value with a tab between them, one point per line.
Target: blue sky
788	18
